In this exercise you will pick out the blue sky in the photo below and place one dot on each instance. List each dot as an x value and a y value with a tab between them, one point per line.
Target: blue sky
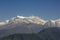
47	9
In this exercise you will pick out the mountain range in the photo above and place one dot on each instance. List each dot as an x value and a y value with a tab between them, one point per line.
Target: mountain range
21	24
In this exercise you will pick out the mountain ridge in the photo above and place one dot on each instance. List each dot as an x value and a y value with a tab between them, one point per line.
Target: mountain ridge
22	24
30	19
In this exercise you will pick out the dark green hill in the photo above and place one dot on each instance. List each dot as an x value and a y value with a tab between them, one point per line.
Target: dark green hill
46	34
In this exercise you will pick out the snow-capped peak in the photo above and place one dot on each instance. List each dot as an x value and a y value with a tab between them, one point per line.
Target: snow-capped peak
21	17
27	24
37	20
7	21
30	19
50	23
57	22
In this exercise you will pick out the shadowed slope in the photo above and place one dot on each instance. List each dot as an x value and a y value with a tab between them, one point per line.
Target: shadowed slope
46	34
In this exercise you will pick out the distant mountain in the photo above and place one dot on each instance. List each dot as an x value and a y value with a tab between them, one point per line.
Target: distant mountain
19	20
21	24
46	34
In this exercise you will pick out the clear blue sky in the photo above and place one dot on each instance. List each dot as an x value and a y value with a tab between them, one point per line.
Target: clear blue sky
47	9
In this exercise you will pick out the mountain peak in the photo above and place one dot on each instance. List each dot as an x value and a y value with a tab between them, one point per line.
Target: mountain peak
21	17
30	19
27	24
